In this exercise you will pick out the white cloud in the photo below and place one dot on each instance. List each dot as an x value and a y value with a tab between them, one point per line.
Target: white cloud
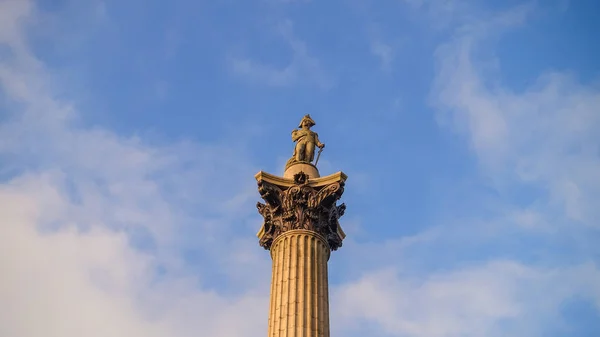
545	135
12	13
498	298
92	222
64	283
70	221
69	283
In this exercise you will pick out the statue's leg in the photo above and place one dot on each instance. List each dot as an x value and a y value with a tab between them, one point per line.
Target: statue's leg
300	148
310	152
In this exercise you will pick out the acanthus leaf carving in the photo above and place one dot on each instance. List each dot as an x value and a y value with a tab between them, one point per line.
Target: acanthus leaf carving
301	207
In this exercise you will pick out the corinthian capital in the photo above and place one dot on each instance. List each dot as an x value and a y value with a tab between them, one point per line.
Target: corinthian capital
301	203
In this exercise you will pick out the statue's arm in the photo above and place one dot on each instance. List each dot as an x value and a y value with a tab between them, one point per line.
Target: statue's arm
295	135
318	142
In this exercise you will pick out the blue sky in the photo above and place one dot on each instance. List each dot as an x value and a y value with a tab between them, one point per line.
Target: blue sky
130	133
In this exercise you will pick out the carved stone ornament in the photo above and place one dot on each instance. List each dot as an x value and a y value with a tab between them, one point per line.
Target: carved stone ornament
301	204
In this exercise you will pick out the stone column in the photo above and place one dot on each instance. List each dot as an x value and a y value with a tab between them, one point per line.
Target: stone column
299	290
300	229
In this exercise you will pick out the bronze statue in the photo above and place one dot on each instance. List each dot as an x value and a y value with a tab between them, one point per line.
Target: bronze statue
306	141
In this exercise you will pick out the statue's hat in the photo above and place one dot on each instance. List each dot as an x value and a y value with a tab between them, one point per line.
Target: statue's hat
310	120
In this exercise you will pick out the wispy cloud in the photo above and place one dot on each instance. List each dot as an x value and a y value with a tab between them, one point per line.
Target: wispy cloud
455	279
384	52
96	223
109	234
498	298
302	68
544	136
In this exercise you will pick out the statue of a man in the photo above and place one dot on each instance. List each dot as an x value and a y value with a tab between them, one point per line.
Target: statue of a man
306	140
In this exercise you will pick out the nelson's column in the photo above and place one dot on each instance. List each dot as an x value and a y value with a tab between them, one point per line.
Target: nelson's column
300	229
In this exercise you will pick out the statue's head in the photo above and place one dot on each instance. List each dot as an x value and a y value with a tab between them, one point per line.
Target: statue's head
306	120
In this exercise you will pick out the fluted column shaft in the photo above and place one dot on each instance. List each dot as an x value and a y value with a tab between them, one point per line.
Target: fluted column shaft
299	290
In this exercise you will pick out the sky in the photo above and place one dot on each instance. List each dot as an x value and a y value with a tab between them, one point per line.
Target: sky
131	131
